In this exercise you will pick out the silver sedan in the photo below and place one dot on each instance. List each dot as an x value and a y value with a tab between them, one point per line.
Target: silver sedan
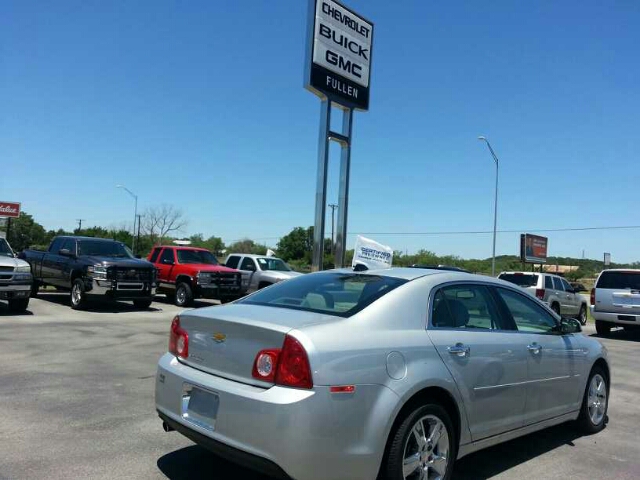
390	374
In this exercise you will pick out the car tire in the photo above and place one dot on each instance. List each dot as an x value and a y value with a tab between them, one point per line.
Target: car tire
603	328
184	295
595	403
556	308
18	305
582	315
77	295
424	422
142	304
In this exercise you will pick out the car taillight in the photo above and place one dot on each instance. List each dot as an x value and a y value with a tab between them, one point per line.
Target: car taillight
540	293
178	339
265	364
287	366
293	368
593	296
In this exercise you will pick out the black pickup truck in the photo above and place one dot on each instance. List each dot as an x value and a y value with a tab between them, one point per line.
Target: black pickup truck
92	268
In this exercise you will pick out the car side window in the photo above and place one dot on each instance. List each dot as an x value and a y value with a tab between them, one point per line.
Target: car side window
548	283
557	284
167	256
566	285
70	245
154	255
527	314
248	264
56	246
465	306
232	261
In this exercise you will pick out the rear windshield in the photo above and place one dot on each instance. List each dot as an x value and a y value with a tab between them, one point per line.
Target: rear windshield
520	279
332	293
622	280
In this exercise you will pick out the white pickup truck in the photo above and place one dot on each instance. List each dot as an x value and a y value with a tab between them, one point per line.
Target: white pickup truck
615	300
15	279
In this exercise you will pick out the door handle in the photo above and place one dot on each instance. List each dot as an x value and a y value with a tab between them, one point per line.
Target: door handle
459	350
534	348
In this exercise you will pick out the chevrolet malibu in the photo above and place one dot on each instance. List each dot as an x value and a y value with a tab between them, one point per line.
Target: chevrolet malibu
390	374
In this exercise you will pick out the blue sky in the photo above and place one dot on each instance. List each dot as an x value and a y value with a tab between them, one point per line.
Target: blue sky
201	105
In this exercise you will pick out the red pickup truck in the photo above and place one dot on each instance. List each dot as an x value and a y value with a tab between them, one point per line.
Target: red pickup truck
186	273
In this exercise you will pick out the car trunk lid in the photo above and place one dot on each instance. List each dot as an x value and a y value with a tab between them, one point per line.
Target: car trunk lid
225	340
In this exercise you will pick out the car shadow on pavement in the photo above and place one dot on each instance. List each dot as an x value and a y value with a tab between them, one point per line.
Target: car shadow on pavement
196	303
95	306
621	334
5	312
195	463
495	460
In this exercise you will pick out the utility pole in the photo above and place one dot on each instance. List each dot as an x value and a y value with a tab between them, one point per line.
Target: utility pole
80	223
495	208
333	207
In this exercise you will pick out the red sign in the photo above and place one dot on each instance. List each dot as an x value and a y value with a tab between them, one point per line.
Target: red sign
9	209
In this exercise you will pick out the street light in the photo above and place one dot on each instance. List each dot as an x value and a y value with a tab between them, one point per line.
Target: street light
495	207
135	216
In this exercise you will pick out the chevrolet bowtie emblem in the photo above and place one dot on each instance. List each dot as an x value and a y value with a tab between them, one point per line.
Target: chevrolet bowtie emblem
219	337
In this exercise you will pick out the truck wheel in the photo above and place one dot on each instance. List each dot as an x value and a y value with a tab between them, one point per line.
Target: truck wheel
142	304
556	308
603	328
582	316
18	304
184	295
78	297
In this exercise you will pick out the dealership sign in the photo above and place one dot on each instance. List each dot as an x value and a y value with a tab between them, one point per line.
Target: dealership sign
371	254
338	63
9	209
533	248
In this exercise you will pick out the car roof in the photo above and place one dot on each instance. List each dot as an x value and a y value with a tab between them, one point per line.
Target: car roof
79	237
530	273
251	255
411	273
629	270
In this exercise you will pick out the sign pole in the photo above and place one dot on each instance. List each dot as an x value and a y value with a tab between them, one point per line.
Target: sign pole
343	193
321	185
8	227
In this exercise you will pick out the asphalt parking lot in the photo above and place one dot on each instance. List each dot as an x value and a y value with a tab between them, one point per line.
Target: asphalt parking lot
76	390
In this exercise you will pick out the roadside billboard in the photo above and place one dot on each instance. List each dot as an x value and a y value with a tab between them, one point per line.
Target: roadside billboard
607	259
10	209
533	248
338	63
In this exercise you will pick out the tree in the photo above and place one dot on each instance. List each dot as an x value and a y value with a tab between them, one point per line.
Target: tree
296	245
213	243
247	246
26	232
159	222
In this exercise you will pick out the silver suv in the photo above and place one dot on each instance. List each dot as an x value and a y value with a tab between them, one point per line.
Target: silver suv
554	290
615	300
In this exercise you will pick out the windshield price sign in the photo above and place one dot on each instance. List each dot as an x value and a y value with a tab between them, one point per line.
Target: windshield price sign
9	209
339	54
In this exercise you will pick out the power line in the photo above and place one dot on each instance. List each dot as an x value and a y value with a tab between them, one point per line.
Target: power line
482	232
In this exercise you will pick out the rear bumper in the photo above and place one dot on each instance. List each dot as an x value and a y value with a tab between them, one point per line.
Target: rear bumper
307	434
620	318
119	290
235	455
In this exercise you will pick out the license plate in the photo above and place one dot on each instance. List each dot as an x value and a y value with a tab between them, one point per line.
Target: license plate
200	407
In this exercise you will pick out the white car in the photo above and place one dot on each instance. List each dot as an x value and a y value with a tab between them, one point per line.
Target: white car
553	290
15	279
615	300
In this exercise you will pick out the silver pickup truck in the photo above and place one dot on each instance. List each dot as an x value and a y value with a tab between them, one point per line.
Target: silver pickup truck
259	271
615	300
15	279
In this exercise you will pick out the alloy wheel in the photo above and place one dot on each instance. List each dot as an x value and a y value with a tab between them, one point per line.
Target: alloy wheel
597	399
426	451
76	294
181	296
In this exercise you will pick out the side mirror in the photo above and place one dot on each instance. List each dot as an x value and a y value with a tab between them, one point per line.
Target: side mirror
65	252
569	325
